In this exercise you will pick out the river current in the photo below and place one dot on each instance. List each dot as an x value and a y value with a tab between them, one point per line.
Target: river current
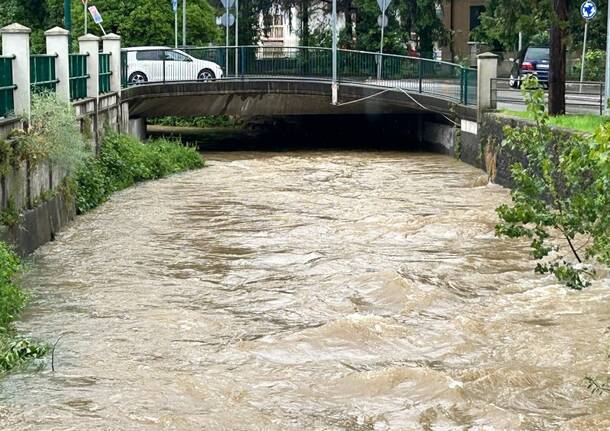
306	290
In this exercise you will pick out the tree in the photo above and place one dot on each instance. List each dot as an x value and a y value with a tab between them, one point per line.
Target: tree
557	66
562	190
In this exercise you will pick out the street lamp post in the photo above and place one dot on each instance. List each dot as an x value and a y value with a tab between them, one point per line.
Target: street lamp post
335	85
183	22
607	80
68	15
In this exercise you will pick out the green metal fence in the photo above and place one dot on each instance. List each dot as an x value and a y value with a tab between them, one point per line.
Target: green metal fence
105	72
42	72
78	76
396	72
7	87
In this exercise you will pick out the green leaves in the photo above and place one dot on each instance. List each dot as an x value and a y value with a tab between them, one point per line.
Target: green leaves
124	161
562	189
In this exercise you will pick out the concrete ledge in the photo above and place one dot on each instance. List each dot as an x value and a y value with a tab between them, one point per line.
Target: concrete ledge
39	225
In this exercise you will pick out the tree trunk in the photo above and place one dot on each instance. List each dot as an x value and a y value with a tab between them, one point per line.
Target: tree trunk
305	23
557	66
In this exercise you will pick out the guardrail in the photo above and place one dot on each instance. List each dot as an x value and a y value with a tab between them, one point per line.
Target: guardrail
7	103
410	74
581	98
78	76
42	72
104	72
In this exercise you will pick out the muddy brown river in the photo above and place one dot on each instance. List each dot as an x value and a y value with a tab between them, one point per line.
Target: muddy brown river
306	291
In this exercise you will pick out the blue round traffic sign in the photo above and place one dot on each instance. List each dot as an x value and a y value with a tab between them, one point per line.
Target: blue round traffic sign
588	9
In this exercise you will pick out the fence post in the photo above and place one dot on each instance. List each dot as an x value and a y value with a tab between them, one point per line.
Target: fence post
112	44
487	69
16	42
58	44
421	72
90	44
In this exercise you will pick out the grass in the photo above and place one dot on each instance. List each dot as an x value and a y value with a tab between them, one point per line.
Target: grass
583	123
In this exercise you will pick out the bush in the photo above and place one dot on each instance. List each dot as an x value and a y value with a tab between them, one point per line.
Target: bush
595	62
52	134
563	190
202	122
14	352
124	161
12	298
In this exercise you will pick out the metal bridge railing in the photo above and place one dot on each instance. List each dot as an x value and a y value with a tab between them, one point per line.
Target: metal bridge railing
7	104
104	72
581	97
410	74
42	72
78	76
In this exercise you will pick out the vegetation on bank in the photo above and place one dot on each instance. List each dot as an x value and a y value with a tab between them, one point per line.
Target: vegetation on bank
124	161
53	136
15	351
588	123
561	190
204	122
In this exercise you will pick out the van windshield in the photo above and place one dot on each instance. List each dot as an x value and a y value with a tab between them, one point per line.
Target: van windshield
537	54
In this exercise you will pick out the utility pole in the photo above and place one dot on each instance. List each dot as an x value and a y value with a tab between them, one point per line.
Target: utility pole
236	36
335	85
607	80
184	23
68	15
85	14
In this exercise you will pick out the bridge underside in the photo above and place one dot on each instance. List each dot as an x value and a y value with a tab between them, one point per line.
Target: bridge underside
281	97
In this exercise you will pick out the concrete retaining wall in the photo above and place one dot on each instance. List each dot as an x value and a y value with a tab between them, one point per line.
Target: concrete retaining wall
36	191
479	145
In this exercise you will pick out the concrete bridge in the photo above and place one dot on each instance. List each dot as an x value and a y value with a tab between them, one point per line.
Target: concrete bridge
119	87
256	80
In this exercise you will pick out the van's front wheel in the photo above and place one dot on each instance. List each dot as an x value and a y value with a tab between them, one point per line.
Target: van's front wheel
206	75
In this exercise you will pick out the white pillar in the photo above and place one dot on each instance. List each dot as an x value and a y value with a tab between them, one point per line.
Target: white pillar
58	43
90	44
112	44
16	42
487	69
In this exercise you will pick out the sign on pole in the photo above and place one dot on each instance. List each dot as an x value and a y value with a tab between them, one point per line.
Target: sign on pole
382	21
227	3
175	6
383	4
97	17
95	14
588	9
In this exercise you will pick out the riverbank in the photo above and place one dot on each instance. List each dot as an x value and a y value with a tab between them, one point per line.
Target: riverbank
123	161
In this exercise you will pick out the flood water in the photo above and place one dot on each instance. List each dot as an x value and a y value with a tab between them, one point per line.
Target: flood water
306	290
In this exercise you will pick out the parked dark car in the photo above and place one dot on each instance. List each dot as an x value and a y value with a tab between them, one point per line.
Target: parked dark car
531	61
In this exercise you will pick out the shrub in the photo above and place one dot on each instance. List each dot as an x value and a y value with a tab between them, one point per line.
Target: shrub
124	161
562	190
53	134
595	61
12	298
